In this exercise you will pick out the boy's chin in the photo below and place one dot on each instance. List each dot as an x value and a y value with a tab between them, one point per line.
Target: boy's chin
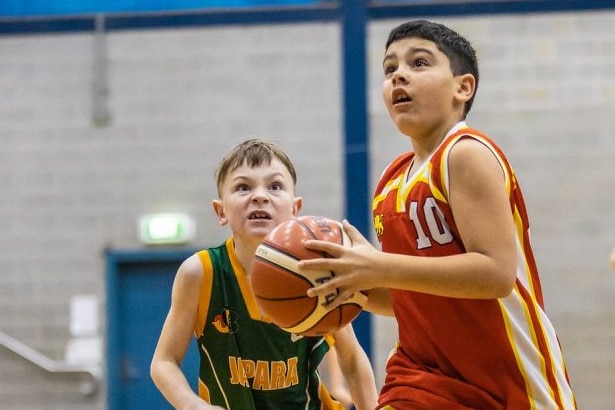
261	230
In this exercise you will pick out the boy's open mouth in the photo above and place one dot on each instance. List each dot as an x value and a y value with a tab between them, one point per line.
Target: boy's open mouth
259	215
400	96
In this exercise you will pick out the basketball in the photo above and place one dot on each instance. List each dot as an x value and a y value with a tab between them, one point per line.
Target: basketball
280	289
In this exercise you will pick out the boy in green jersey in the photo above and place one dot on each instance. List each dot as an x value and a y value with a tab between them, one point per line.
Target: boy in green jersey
246	362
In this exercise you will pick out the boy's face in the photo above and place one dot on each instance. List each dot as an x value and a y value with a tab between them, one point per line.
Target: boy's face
255	200
419	89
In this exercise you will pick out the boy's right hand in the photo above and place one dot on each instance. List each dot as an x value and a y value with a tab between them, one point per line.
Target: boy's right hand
354	266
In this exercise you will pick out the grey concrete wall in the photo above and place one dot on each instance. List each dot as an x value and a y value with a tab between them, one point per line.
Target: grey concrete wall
178	99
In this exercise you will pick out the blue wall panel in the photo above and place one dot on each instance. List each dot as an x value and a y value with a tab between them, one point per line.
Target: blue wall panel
28	8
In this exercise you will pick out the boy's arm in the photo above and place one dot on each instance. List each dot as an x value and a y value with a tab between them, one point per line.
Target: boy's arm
335	379
356	368
379	301
481	208
175	338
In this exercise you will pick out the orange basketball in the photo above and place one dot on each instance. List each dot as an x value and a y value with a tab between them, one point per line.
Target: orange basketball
280	289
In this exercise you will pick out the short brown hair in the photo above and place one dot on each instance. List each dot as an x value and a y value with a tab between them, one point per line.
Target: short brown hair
254	152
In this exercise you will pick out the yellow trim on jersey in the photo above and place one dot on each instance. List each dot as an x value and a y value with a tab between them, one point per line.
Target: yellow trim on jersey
406	186
403	188
508	304
391	185
439	195
328	402
526	275
244	286
444	163
329	339
204	391
207	281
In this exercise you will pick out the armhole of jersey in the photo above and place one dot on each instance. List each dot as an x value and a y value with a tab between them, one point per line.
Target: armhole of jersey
445	183
400	161
205	293
386	181
328	402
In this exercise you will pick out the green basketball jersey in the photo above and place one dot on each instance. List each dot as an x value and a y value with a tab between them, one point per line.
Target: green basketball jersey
247	363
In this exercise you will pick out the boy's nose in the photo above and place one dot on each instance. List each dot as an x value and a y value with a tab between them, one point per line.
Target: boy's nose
399	77
260	195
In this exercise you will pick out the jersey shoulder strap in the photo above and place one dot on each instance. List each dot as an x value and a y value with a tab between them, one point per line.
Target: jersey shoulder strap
205	293
206	257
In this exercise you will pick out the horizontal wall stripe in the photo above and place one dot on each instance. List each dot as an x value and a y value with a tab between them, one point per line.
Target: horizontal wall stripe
329	11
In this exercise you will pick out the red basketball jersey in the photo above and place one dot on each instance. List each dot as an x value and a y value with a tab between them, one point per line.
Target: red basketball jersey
458	353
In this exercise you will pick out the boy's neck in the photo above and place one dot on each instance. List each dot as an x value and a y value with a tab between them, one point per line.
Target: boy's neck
425	146
245	254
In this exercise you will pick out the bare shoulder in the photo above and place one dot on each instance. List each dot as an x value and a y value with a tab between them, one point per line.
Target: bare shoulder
471	152
190	271
474	162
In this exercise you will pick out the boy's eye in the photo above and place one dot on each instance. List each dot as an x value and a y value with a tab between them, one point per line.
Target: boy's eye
242	187
389	69
419	62
276	186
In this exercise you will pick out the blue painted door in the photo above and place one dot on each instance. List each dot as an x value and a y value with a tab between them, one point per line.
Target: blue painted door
138	298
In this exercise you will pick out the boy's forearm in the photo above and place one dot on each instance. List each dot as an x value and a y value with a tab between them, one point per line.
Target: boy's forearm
361	383
363	392
171	382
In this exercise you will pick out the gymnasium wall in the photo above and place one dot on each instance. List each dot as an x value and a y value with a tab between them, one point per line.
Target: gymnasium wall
79	163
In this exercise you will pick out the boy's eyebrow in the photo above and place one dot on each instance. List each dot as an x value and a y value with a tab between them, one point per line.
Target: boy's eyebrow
249	177
412	50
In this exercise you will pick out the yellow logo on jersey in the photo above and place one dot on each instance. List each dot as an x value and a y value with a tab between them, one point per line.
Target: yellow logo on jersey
379	224
263	375
225	322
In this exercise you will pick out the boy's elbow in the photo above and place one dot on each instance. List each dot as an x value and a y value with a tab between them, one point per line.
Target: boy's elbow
503	292
506	284
155	371
152	371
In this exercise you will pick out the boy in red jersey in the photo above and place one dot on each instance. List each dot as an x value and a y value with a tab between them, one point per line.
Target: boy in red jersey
456	268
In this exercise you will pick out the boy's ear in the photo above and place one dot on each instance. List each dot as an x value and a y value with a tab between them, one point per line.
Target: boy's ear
466	85
216	204
297	204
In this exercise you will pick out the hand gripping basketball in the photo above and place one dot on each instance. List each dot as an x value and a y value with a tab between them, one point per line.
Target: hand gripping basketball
280	289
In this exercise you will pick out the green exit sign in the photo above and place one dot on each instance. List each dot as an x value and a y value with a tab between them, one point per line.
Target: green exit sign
166	228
